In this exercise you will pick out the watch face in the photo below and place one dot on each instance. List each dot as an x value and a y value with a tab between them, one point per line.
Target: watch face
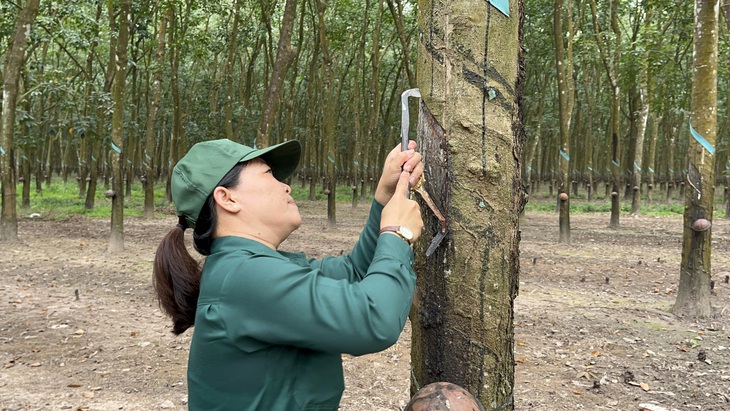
406	232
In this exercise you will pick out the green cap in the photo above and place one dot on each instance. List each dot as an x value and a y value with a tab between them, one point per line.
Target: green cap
198	173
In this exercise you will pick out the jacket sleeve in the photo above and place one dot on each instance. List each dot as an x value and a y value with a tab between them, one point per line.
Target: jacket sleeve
274	301
354	266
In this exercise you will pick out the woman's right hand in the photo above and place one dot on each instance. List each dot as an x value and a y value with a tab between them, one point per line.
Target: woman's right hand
401	211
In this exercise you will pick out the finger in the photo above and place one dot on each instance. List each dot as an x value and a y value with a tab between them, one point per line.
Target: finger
399	160
416	174
402	186
412	162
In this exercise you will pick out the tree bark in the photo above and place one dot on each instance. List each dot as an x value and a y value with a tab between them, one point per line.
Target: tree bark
642	117
148	161
284	57
611	63
651	165
396	10
230	59
566	99
693	294
470	133
726	165
12	68
116	239
97	153
11	75
361	144
329	117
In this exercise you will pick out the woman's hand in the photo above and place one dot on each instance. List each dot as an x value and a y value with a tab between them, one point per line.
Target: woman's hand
400	211
396	162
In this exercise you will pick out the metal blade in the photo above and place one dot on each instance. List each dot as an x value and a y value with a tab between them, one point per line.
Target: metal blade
435	242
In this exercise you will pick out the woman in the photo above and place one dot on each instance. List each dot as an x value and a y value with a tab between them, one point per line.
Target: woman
270	326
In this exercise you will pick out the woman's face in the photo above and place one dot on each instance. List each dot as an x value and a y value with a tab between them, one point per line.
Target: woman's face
267	210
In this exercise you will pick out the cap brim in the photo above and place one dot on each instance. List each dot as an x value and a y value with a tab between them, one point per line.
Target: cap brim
283	158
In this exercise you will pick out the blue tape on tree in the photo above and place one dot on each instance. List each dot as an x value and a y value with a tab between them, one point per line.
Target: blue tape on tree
2	150
651	169
616	163
637	166
115	148
704	143
501	5
565	155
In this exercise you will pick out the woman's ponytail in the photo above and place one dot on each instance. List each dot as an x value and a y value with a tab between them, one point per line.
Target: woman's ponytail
176	274
176	279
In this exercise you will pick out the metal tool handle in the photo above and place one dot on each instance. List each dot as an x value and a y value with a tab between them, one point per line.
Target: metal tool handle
405	120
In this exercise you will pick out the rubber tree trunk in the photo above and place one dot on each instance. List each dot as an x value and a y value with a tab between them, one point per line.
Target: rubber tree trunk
12	68
329	119
642	117
651	165
611	64
693	294
284	57
470	76
116	239
566	99
230	61
149	151
726	17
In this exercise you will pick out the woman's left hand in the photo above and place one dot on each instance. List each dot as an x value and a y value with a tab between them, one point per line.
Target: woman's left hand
396	162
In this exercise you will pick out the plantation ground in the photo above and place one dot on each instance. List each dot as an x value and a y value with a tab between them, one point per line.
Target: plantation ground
79	329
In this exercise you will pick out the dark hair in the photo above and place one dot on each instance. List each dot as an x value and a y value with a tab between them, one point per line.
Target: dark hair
176	274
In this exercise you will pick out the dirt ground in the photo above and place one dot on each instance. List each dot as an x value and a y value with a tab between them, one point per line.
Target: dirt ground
80	330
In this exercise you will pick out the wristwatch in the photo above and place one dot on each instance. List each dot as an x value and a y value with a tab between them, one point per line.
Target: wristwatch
401	230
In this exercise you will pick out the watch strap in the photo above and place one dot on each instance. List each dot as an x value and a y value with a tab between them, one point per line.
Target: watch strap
394	229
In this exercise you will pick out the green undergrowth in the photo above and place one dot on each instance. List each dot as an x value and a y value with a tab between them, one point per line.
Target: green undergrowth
61	200
603	206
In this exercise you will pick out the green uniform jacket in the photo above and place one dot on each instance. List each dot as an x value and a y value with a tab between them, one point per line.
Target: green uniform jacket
271	326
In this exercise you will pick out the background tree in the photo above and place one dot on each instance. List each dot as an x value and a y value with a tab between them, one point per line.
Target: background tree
566	99
116	239
149	150
284	57
611	61
12	67
724	166
693	294
641	117
470	132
